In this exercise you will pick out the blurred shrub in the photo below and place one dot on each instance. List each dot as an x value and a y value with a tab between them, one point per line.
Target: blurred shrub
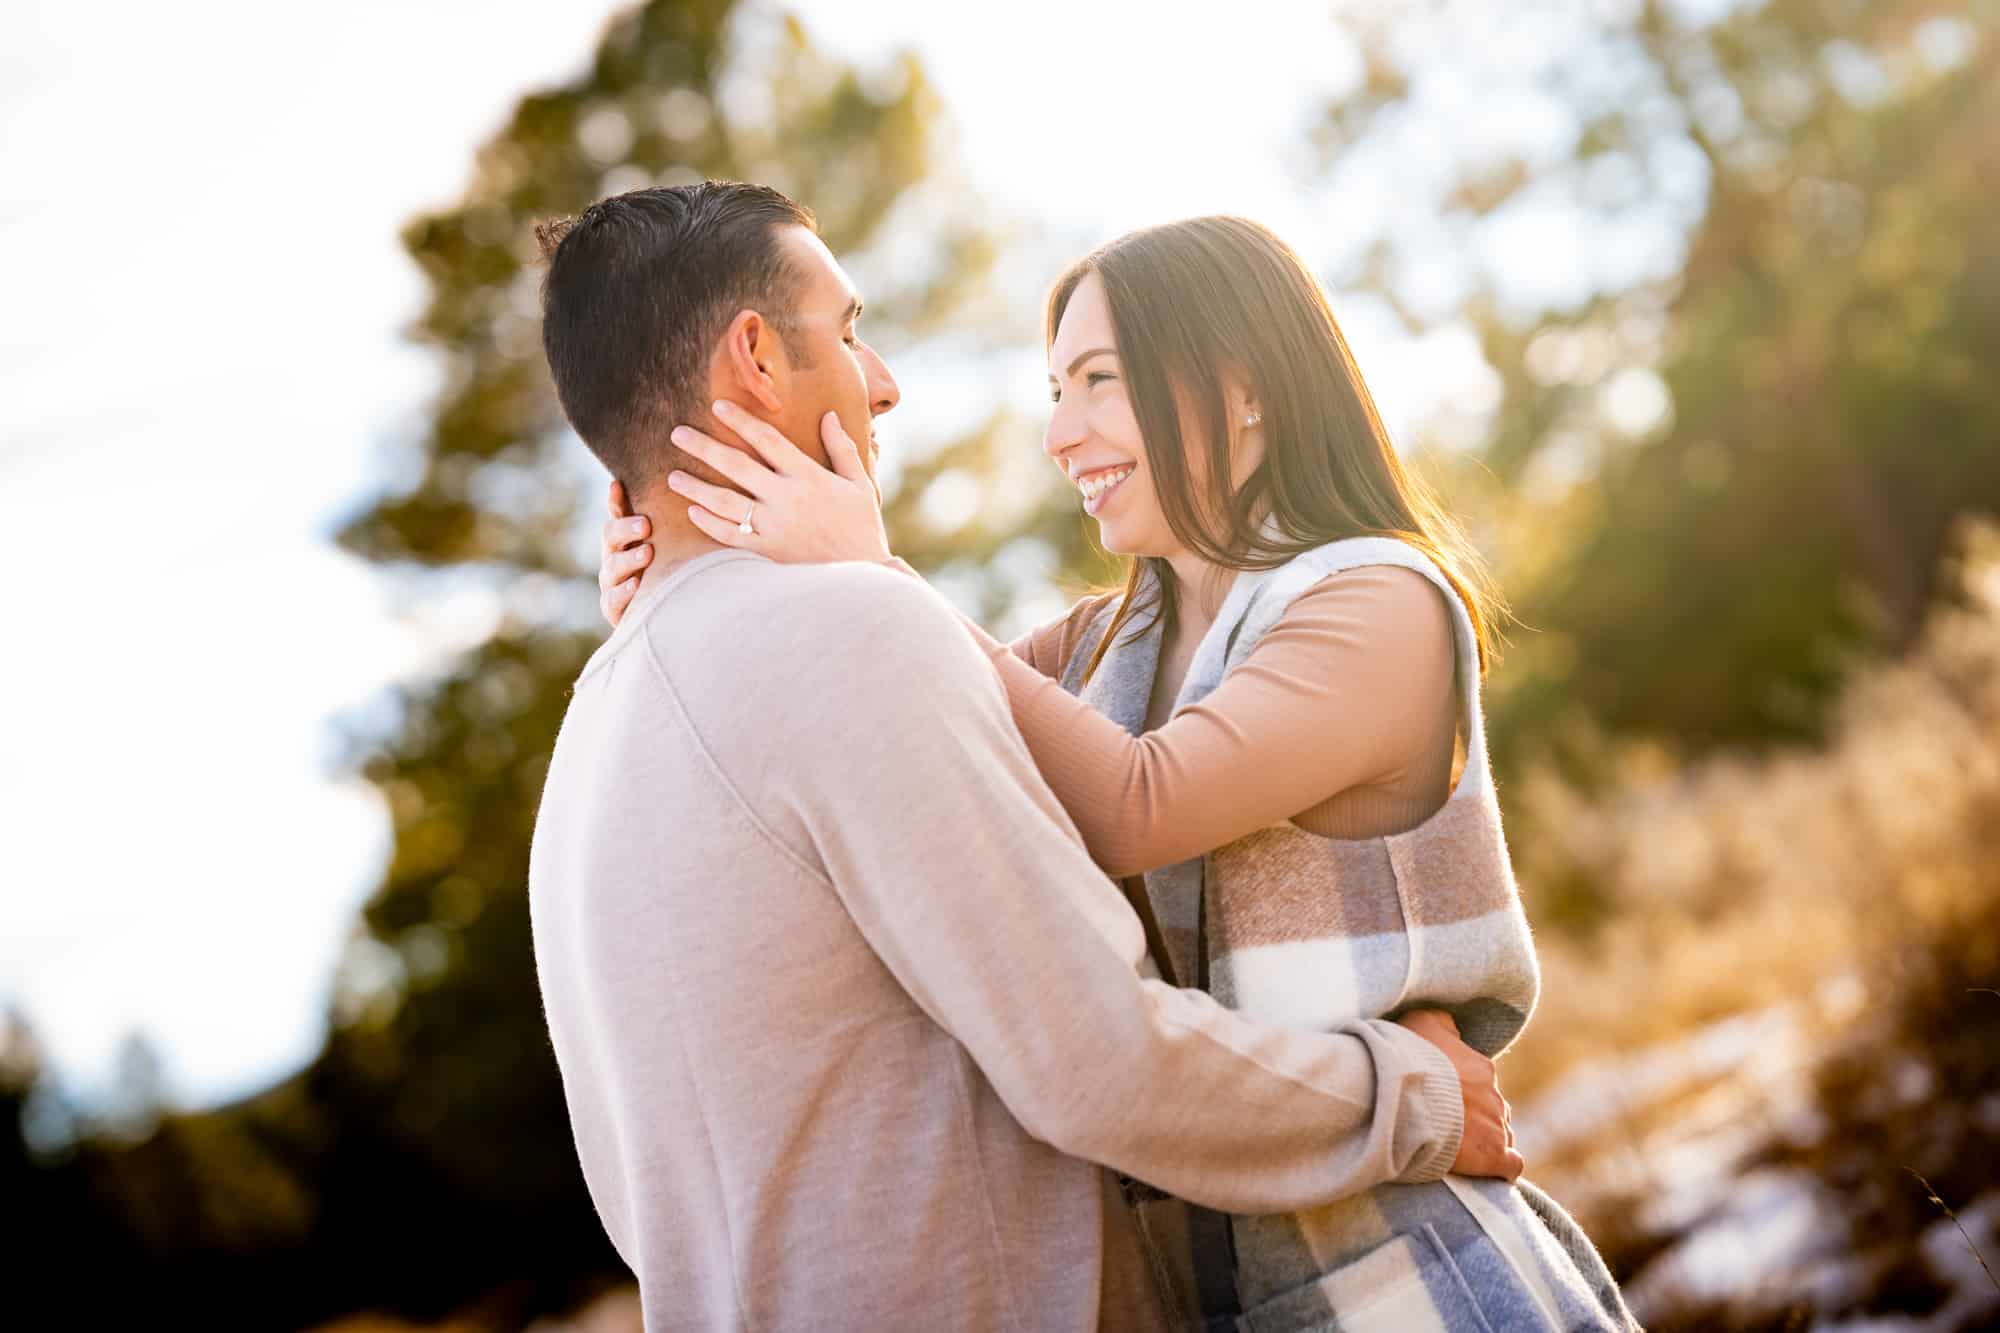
1794	980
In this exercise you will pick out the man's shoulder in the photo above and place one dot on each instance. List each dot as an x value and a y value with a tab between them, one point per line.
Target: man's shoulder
779	597
748	614
791	671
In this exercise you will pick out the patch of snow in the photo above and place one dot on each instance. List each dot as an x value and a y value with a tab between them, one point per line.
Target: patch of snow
1770	1221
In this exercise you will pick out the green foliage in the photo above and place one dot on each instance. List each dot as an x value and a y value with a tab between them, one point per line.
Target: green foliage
655	108
1710	576
1829	423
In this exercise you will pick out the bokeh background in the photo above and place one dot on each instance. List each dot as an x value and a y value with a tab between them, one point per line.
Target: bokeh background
1690	308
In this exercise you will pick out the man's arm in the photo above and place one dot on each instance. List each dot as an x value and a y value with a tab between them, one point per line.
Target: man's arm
961	869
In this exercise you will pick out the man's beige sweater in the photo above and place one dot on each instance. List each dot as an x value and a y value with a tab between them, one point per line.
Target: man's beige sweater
844	1010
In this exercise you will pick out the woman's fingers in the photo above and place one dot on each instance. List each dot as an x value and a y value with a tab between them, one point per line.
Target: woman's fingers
749	475
619	566
770	443
626	555
613	600
718	500
720	529
620	533
841	451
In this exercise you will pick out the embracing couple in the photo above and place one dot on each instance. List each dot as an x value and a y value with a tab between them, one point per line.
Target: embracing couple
1142	974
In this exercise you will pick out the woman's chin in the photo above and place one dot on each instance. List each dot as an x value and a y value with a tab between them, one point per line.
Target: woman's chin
1114	542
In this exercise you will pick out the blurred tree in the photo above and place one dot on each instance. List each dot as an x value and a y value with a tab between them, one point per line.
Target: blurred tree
441	1035
1738	421
424	1161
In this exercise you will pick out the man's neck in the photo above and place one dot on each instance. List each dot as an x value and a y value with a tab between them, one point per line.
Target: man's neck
676	540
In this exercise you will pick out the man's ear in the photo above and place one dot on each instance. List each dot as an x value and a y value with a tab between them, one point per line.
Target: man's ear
754	362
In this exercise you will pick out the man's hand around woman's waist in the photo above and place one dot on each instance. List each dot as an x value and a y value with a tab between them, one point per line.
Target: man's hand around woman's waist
1487	1147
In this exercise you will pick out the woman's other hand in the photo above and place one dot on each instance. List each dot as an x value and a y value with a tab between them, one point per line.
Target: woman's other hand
1487	1147
626	555
805	514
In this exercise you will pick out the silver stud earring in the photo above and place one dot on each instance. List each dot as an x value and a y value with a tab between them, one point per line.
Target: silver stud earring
1253	419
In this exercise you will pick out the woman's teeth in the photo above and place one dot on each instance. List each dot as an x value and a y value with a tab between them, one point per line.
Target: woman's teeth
1097	483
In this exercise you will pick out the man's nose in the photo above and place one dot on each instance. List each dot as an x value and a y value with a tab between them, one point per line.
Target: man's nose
883	394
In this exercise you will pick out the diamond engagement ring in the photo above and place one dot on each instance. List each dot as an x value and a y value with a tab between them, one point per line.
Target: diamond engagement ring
744	527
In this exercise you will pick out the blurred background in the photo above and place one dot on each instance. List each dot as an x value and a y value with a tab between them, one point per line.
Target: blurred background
1690	308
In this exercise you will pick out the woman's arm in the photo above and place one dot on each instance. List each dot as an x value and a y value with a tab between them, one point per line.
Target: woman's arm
624	553
1046	647
1353	685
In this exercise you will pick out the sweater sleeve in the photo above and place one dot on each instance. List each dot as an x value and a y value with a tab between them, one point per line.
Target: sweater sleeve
1041	648
959	867
1046	647
1352	686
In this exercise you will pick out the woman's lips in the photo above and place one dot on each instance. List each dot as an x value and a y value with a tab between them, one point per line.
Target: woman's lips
1098	484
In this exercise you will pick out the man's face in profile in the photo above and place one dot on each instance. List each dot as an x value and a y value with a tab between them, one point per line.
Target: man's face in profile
839	372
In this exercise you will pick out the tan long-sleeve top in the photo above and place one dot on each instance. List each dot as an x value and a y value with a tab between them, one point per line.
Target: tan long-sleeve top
844	1011
1342	719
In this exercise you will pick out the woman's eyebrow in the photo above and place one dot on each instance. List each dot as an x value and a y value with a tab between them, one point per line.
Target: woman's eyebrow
1082	357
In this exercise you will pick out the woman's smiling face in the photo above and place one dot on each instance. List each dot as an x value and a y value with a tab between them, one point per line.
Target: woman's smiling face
1093	435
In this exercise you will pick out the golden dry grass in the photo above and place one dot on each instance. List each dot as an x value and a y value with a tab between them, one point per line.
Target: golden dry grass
1739	883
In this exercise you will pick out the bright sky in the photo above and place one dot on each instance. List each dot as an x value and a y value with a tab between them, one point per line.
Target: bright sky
198	217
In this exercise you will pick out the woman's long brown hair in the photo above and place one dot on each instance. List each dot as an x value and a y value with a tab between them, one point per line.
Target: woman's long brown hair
1197	300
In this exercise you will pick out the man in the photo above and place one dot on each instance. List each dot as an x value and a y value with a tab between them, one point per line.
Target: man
844	1011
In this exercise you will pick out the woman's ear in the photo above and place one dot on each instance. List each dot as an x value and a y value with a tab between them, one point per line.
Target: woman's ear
754	363
1245	409
1246	433
1245	413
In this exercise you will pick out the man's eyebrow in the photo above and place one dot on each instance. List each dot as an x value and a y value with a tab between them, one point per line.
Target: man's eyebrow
1082	357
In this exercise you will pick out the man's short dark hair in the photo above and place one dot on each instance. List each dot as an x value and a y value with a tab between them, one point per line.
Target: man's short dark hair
639	288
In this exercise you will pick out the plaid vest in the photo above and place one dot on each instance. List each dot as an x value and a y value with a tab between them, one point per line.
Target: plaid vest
1312	932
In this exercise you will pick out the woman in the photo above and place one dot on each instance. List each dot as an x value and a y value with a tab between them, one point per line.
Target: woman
1263	725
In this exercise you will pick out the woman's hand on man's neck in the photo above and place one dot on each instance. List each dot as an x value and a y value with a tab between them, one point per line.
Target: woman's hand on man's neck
676	540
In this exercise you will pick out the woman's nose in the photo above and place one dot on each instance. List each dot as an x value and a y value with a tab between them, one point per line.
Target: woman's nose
1065	432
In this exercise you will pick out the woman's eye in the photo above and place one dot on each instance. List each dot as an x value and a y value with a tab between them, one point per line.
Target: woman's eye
1097	377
